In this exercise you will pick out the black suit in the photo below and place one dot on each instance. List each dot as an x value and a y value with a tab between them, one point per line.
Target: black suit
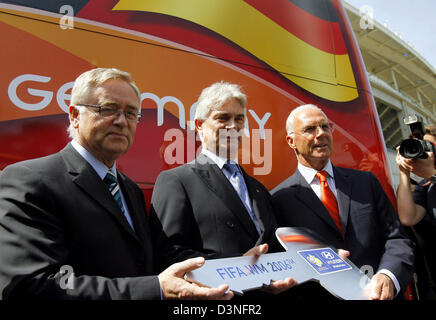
57	211
202	215
372	230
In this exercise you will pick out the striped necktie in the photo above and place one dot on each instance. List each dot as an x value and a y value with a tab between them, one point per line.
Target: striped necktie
112	183
328	199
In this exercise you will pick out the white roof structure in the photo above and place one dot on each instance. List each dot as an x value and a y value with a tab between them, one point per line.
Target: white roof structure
402	81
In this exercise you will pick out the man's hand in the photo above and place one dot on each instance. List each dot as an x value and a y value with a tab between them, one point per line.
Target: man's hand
381	287
343	254
257	250
275	287
421	167
405	165
174	286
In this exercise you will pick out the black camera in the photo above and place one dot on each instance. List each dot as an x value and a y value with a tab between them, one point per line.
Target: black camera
416	147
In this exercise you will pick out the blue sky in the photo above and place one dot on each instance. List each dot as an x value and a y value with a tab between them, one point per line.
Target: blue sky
414	20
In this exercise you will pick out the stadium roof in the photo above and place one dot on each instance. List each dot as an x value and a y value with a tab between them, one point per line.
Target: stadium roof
395	67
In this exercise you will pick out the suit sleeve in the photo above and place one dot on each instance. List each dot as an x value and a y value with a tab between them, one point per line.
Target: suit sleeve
398	255
171	207
33	247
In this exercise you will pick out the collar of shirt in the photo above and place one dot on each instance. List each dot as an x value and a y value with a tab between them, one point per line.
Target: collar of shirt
309	176
96	164
220	161
309	173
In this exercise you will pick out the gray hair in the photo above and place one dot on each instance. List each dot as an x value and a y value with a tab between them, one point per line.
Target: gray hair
291	117
87	81
215	96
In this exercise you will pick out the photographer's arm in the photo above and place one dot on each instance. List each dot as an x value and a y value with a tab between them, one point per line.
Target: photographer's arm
408	212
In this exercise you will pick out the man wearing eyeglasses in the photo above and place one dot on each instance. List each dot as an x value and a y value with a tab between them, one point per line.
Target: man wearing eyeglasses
347	208
74	227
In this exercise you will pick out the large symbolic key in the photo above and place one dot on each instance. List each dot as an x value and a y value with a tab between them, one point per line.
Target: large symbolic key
306	258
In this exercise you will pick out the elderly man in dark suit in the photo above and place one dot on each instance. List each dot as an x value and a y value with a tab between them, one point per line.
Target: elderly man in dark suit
74	211
211	207
347	208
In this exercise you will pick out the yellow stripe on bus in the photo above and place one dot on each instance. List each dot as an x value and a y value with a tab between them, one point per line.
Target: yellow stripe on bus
310	68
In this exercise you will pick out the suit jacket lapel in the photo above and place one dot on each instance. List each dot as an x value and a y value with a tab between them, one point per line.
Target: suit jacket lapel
305	194
259	213
210	173
343	190
87	179
134	210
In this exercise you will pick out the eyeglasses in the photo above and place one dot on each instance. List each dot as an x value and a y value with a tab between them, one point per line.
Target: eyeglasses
107	111
310	131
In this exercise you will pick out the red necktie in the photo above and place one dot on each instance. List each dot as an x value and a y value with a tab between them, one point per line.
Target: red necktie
328	199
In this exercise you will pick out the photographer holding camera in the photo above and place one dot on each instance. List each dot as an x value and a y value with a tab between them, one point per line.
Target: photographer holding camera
417	208
413	207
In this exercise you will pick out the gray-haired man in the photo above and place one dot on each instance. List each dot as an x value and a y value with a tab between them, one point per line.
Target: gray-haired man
211	207
74	211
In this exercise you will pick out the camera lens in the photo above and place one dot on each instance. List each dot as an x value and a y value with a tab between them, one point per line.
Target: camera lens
412	149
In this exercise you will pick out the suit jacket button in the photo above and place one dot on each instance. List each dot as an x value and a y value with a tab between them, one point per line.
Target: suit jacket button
230	224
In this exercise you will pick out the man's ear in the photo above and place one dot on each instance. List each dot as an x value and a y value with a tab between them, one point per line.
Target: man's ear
290	141
198	123
74	116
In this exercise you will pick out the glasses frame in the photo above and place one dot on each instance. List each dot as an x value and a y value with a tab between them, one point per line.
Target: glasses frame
330	125
118	111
